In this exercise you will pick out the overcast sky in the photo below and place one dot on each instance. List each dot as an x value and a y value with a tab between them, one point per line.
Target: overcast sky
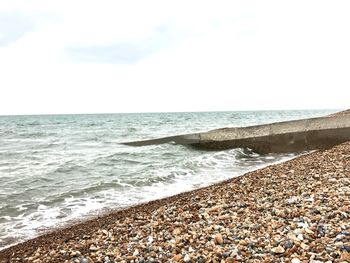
145	56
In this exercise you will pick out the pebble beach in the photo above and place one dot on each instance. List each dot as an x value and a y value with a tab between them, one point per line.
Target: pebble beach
296	211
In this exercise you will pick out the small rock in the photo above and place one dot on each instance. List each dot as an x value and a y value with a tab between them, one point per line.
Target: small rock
93	248
218	239
292	200
288	244
242	205
339	237
217	227
242	242
332	180
177	231
177	257
346	248
224	217
187	258
150	239
136	252
234	252
310	199
304	246
302	224
345	256
84	260
321	231
278	250
339	244
295	260
308	230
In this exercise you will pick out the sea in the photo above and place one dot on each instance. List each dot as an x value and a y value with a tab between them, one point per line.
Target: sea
59	169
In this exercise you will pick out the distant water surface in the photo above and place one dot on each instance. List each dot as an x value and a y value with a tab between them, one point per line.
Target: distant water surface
59	168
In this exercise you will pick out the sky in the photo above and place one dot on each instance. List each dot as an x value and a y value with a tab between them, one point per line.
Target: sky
60	57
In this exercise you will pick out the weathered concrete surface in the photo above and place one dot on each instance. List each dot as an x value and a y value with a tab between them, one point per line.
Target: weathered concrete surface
186	139
344	112
289	136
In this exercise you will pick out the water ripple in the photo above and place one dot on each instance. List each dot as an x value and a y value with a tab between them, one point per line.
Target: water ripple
54	169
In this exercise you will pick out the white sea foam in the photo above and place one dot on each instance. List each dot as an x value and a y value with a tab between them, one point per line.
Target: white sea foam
69	167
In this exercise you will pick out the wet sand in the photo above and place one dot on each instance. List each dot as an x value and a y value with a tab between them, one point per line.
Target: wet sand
296	211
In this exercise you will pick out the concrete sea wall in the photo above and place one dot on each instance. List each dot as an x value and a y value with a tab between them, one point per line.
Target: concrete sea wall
289	136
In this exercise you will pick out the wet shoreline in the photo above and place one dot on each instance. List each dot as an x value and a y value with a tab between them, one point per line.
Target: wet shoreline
296	209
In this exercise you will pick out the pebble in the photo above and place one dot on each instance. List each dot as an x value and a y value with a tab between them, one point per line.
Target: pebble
243	242
278	250
150	239
339	237
93	248
288	244
187	258
295	260
346	248
345	256
332	180
177	231
218	239
304	246
292	200
177	257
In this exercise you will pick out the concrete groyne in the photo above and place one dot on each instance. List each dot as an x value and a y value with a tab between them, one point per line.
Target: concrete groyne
288	136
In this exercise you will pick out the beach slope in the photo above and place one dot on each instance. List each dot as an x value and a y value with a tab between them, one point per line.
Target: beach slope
299	209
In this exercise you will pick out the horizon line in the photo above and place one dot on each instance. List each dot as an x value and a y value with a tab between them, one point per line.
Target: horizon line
155	112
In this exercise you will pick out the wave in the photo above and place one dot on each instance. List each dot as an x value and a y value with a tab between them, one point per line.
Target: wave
73	166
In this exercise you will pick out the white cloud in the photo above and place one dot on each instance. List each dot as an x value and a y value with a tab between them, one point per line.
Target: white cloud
179	56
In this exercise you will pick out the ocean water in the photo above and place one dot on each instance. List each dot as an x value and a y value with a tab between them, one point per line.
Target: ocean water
55	169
